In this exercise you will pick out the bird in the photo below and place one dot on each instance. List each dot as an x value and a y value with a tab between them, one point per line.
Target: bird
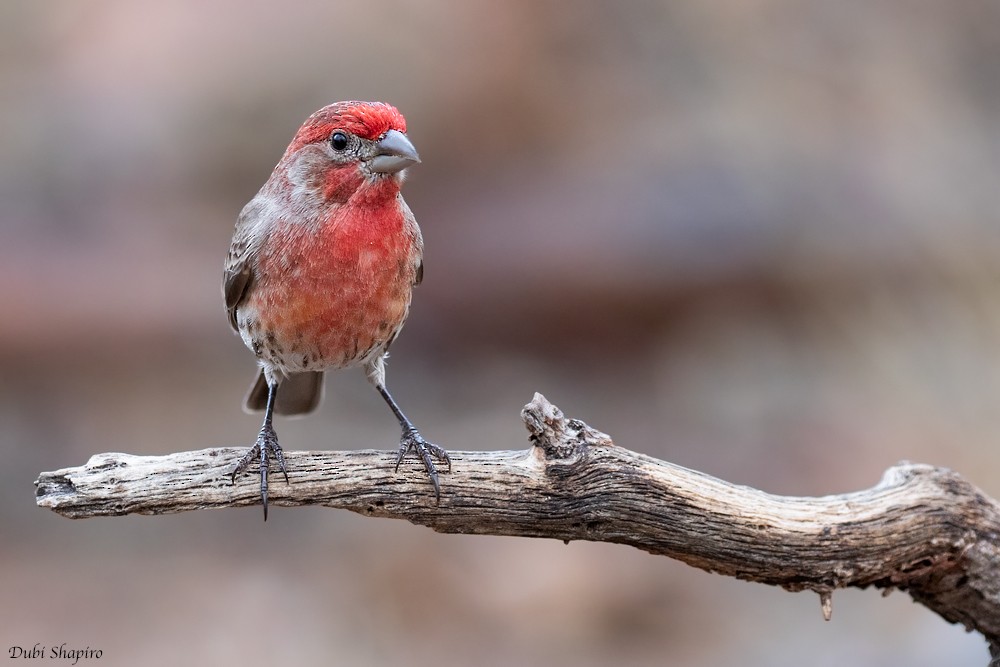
321	271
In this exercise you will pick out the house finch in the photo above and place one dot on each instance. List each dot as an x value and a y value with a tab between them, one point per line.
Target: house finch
322	267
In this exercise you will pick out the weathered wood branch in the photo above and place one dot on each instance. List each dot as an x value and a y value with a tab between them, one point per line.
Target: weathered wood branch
920	529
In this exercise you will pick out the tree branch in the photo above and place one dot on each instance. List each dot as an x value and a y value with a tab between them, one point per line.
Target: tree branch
920	529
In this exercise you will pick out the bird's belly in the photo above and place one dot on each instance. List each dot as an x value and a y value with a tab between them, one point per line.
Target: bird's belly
327	317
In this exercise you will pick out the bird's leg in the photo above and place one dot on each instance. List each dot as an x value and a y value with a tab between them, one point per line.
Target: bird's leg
412	440
267	441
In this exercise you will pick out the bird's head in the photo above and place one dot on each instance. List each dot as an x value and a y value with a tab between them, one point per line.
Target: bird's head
345	146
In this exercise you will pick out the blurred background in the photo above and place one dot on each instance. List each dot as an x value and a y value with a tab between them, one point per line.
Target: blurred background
758	238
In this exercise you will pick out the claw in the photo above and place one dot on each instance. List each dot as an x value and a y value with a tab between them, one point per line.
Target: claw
412	440
267	441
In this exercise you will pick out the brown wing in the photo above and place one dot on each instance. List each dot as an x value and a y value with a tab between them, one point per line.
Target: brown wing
235	285
239	276
416	238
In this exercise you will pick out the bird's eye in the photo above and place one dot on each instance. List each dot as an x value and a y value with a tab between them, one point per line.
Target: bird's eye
338	140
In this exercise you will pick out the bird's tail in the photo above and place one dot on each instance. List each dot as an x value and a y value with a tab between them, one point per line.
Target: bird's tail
298	394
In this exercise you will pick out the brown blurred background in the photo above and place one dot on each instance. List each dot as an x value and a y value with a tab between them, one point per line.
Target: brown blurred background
756	238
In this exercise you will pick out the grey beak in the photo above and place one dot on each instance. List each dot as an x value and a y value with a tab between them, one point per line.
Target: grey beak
395	153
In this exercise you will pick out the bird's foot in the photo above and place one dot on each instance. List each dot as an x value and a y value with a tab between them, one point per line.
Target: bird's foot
266	445
427	451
